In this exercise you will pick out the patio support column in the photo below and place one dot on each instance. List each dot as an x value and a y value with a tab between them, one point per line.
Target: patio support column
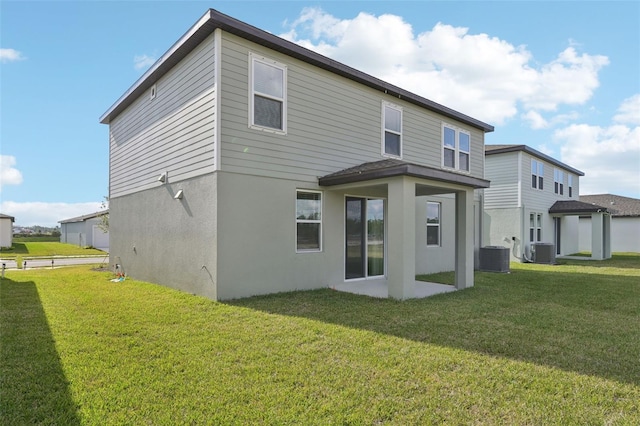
401	238
464	239
597	234
607	236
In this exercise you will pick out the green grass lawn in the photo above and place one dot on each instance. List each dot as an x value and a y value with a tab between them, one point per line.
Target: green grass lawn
541	345
46	249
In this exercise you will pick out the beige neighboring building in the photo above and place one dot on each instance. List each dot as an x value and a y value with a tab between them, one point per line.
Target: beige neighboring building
6	230
244	164
625	222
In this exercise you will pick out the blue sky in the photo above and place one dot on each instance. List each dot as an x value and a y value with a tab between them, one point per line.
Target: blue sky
561	77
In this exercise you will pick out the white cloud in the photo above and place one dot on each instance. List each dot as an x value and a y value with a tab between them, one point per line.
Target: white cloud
535	119
629	111
609	157
479	75
143	61
46	214
10	55
9	175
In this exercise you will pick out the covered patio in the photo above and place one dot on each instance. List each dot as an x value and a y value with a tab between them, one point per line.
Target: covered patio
600	224
399	183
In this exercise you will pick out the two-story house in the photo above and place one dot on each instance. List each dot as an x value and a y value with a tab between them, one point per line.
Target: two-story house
533	200
244	164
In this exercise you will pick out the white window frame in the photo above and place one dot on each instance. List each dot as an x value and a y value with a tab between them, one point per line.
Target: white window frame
253	58
570	184
318	221
432	225
535	228
152	92
389	105
456	149
537	170
558	181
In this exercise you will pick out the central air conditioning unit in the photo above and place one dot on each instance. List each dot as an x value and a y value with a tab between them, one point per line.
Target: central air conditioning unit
494	259
544	253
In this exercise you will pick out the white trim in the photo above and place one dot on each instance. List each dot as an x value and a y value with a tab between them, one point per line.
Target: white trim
253	58
456	148
153	91
383	147
217	65
439	225
537	174
366	248
321	231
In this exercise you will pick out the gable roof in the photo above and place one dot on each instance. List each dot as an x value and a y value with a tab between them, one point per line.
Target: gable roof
575	207
85	217
392	167
213	20
616	204
500	149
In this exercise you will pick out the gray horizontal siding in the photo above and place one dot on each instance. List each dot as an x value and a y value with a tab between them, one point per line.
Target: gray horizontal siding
533	198
502	171
332	123
174	133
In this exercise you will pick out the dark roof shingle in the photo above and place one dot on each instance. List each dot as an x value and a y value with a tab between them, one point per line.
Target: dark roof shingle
575	207
392	167
616	204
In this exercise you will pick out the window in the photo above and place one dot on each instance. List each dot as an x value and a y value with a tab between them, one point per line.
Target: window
152	92
456	148
535	227
268	94
392	134
433	224
308	221
558	181
570	185
537	174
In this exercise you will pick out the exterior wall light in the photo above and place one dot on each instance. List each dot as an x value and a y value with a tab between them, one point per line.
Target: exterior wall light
178	195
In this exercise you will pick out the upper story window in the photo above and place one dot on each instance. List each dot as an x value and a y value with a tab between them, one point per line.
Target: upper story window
268	101
392	131
537	174
456	148
433	224
570	185
308	221
558	181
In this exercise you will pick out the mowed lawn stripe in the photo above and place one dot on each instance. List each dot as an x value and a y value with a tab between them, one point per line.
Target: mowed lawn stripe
516	349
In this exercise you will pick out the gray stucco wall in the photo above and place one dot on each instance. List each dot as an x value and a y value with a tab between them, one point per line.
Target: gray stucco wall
168	241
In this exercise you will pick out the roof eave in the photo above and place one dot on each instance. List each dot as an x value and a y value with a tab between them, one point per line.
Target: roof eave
535	153
407	169
213	19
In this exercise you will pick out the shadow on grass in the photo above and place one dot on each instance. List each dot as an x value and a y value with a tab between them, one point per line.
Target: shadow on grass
16	248
583	323
33	386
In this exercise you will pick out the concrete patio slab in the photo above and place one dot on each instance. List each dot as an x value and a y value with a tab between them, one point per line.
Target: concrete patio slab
377	289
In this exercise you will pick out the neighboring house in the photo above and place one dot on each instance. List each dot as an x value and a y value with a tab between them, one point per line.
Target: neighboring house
244	164
85	231
6	230
625	222
533	201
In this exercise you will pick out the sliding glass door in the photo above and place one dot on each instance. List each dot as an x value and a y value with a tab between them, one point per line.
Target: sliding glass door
364	237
